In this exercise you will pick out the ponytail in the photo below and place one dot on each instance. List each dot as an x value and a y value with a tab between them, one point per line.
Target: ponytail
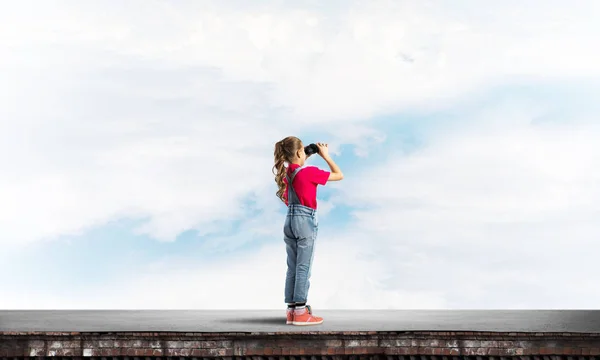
284	151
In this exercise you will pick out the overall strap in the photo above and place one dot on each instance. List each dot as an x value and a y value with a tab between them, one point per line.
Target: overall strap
296	172
292	196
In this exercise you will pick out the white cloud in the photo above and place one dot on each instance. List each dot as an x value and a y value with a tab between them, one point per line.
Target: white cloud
258	278
492	216
120	109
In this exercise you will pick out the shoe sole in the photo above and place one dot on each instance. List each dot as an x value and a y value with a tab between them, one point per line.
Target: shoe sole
307	323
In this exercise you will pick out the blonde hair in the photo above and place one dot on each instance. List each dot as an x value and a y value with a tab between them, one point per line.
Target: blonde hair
285	151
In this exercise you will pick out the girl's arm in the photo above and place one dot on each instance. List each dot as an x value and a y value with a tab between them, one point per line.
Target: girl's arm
335	174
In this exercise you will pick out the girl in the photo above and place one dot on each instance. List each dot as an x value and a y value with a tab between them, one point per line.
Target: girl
298	190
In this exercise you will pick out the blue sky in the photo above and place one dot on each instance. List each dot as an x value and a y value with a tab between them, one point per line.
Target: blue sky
138	153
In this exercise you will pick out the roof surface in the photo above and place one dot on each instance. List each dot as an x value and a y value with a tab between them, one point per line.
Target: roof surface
274	320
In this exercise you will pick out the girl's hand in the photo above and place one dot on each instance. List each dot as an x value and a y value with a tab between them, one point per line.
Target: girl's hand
323	150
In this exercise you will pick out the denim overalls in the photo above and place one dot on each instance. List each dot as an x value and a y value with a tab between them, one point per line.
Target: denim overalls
300	232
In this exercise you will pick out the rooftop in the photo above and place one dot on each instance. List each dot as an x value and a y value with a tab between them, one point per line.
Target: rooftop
573	321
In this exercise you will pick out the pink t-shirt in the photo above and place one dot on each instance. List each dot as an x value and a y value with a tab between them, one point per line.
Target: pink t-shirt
305	184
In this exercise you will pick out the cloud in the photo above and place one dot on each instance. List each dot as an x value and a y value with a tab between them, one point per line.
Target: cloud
179	162
258	276
486	207
122	112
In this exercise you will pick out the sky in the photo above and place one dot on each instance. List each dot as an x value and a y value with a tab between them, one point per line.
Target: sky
137	137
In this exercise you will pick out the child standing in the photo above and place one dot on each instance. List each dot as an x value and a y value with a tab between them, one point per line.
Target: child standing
297	188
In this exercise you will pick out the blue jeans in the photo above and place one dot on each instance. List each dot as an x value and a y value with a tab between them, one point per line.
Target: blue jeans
300	233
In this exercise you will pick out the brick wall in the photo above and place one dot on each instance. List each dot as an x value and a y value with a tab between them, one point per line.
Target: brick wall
300	344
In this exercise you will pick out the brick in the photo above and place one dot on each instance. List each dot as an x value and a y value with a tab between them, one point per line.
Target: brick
224	343
489	344
527	344
403	351
55	345
174	344
507	352
36	352
494	352
178	352
210	344
252	344
360	343
116	352
372	350
139	344
475	351
287	343
117	343
39	344
352	343
203	352
89	344
356	350
154	344
425	350
106	343
371	343
450	343
506	344
471	343
434	343
70	352
393	342
191	344
333	343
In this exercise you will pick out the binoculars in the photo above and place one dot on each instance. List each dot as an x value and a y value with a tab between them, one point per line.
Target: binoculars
311	149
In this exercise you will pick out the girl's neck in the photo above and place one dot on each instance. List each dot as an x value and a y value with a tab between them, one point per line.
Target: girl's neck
296	162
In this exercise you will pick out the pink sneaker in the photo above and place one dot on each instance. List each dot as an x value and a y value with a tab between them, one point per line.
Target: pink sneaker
305	317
